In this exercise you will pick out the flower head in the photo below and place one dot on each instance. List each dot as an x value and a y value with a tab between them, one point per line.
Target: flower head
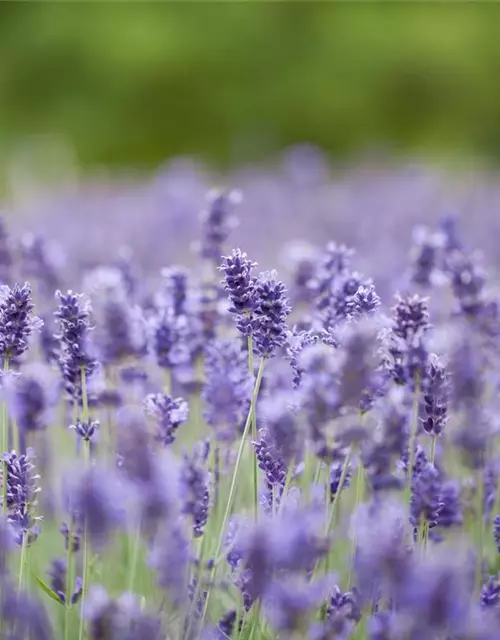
16	320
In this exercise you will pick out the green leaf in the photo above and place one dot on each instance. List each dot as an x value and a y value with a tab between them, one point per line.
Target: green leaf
48	590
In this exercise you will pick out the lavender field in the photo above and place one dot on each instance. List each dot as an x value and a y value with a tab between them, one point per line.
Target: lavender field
199	446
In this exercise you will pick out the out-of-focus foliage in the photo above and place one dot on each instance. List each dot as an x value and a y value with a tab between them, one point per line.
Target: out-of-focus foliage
133	83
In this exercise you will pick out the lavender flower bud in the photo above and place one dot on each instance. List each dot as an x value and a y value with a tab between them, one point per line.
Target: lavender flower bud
85	430
57	574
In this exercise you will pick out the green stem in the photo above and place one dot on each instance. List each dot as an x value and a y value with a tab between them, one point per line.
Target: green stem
254	437
232	489
135	557
5	442
336	500
23	561
479	521
413	435
86	450
359	498
69	581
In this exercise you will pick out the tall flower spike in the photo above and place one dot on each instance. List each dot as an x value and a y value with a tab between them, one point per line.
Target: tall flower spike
22	490
217	223
169	414
195	490
120	330
37	259
32	397
227	389
240	286
74	351
435	397
16	320
57	573
270	314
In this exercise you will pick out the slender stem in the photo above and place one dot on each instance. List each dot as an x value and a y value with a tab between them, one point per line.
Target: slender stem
479	521
135	557
254	436
288	481
232	489
413	433
336	500
168	381
5	442
85	400
69	581
86	462
23	560
433	449
359	497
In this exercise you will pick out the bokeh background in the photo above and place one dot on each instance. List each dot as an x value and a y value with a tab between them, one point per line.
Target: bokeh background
130	84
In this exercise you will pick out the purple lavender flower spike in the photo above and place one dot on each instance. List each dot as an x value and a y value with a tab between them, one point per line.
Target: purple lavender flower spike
57	573
270	314
240	286
24	614
426	501
39	260
122	618
32	397
170	557
435	397
227	390
195	492
496	531
490	592
288	602
217	221
169	414
96	495
21	494
176	288
74	353
17	323
167	338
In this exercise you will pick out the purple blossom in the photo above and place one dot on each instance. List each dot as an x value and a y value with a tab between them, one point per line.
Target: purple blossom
496	531
32	397
228	386
240	286
97	496
169	413
21	494
85	430
195	493
217	221
270	313
435	397
74	351
57	573
17	322
426	502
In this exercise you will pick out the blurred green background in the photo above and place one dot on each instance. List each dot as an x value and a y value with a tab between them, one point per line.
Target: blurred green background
130	84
